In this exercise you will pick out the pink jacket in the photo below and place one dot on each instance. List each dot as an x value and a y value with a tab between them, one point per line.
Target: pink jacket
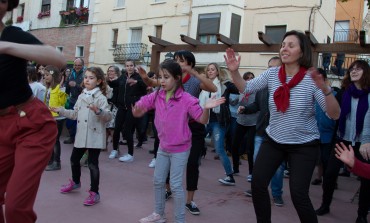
172	117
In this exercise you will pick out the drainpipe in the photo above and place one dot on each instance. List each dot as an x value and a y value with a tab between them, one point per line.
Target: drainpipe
312	10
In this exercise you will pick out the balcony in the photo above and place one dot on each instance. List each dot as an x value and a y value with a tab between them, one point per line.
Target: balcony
133	51
74	16
346	36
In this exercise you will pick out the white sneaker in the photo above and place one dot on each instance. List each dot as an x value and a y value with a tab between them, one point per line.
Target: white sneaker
153	218
152	163
113	154
126	158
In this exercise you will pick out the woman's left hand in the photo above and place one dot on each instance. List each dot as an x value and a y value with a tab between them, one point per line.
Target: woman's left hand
318	79
365	151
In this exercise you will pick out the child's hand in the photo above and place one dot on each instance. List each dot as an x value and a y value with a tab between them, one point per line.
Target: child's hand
55	109
232	61
94	108
212	102
345	155
138	111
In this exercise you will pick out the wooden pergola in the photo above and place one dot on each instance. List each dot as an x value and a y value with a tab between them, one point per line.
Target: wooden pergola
266	46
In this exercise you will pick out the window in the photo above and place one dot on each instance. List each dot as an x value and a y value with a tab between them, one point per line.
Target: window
235	27
158	32
120	3
77	4
342	31
59	48
114	37
276	33
45	5
208	27
79	51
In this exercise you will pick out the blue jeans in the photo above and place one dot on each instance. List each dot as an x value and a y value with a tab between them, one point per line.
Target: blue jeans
218	135
278	179
174	163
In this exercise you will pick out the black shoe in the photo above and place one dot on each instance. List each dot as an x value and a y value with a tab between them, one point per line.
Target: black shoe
229	180
316	182
361	219
193	209
139	145
168	194
69	141
151	151
322	210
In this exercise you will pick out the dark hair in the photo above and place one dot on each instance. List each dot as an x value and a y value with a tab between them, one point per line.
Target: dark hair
32	74
12	4
174	69
55	73
323	73
246	74
130	60
304	43
365	79
99	73
185	55
151	74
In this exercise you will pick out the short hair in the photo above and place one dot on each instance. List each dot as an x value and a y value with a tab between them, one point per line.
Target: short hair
186	55
306	59
246	74
130	60
32	74
82	61
116	70
365	79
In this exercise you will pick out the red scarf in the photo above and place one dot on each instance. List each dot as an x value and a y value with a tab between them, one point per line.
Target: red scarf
186	78
282	93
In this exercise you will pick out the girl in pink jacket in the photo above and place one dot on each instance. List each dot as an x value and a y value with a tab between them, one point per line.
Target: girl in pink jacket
174	107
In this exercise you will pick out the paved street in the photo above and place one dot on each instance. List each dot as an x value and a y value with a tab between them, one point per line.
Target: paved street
127	194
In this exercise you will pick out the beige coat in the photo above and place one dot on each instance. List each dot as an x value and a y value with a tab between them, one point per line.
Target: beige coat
91	130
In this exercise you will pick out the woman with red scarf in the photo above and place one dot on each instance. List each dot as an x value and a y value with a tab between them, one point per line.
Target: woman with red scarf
292	133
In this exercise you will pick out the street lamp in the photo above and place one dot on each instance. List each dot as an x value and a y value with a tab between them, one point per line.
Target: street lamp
147	56
168	55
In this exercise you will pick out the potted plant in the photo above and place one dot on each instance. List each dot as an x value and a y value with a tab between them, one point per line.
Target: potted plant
19	19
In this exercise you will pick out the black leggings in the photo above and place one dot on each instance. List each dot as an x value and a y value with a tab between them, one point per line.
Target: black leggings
330	178
93	162
302	158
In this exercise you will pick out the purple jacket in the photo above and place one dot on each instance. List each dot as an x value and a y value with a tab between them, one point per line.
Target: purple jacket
172	117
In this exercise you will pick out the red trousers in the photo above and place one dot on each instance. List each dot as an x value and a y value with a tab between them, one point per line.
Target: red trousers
27	137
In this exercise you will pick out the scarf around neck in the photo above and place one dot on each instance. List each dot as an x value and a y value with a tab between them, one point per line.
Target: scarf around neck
282	93
362	107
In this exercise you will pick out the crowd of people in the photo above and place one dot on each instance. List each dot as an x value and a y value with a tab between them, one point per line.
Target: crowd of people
287	116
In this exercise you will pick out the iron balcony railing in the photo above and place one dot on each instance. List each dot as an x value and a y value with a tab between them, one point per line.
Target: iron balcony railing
330	64
346	35
133	51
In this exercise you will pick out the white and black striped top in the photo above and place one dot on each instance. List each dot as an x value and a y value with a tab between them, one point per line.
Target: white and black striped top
298	124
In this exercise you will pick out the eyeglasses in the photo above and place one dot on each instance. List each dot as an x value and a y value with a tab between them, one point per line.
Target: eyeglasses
356	69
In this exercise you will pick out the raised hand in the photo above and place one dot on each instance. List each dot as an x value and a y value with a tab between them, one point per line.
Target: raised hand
232	60
142	72
344	154
212	102
318	79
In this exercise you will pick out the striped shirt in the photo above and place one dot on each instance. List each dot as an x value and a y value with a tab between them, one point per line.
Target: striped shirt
192	86
298	124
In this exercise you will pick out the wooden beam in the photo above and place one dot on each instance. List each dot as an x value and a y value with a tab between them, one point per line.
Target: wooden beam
347	48
190	41
362	38
264	38
225	40
159	41
311	37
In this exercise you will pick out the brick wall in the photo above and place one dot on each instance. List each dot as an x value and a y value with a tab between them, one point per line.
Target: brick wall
68	38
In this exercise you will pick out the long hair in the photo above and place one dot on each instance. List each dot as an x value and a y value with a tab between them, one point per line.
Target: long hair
174	69
99	74
55	74
365	79
222	75
32	74
304	43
